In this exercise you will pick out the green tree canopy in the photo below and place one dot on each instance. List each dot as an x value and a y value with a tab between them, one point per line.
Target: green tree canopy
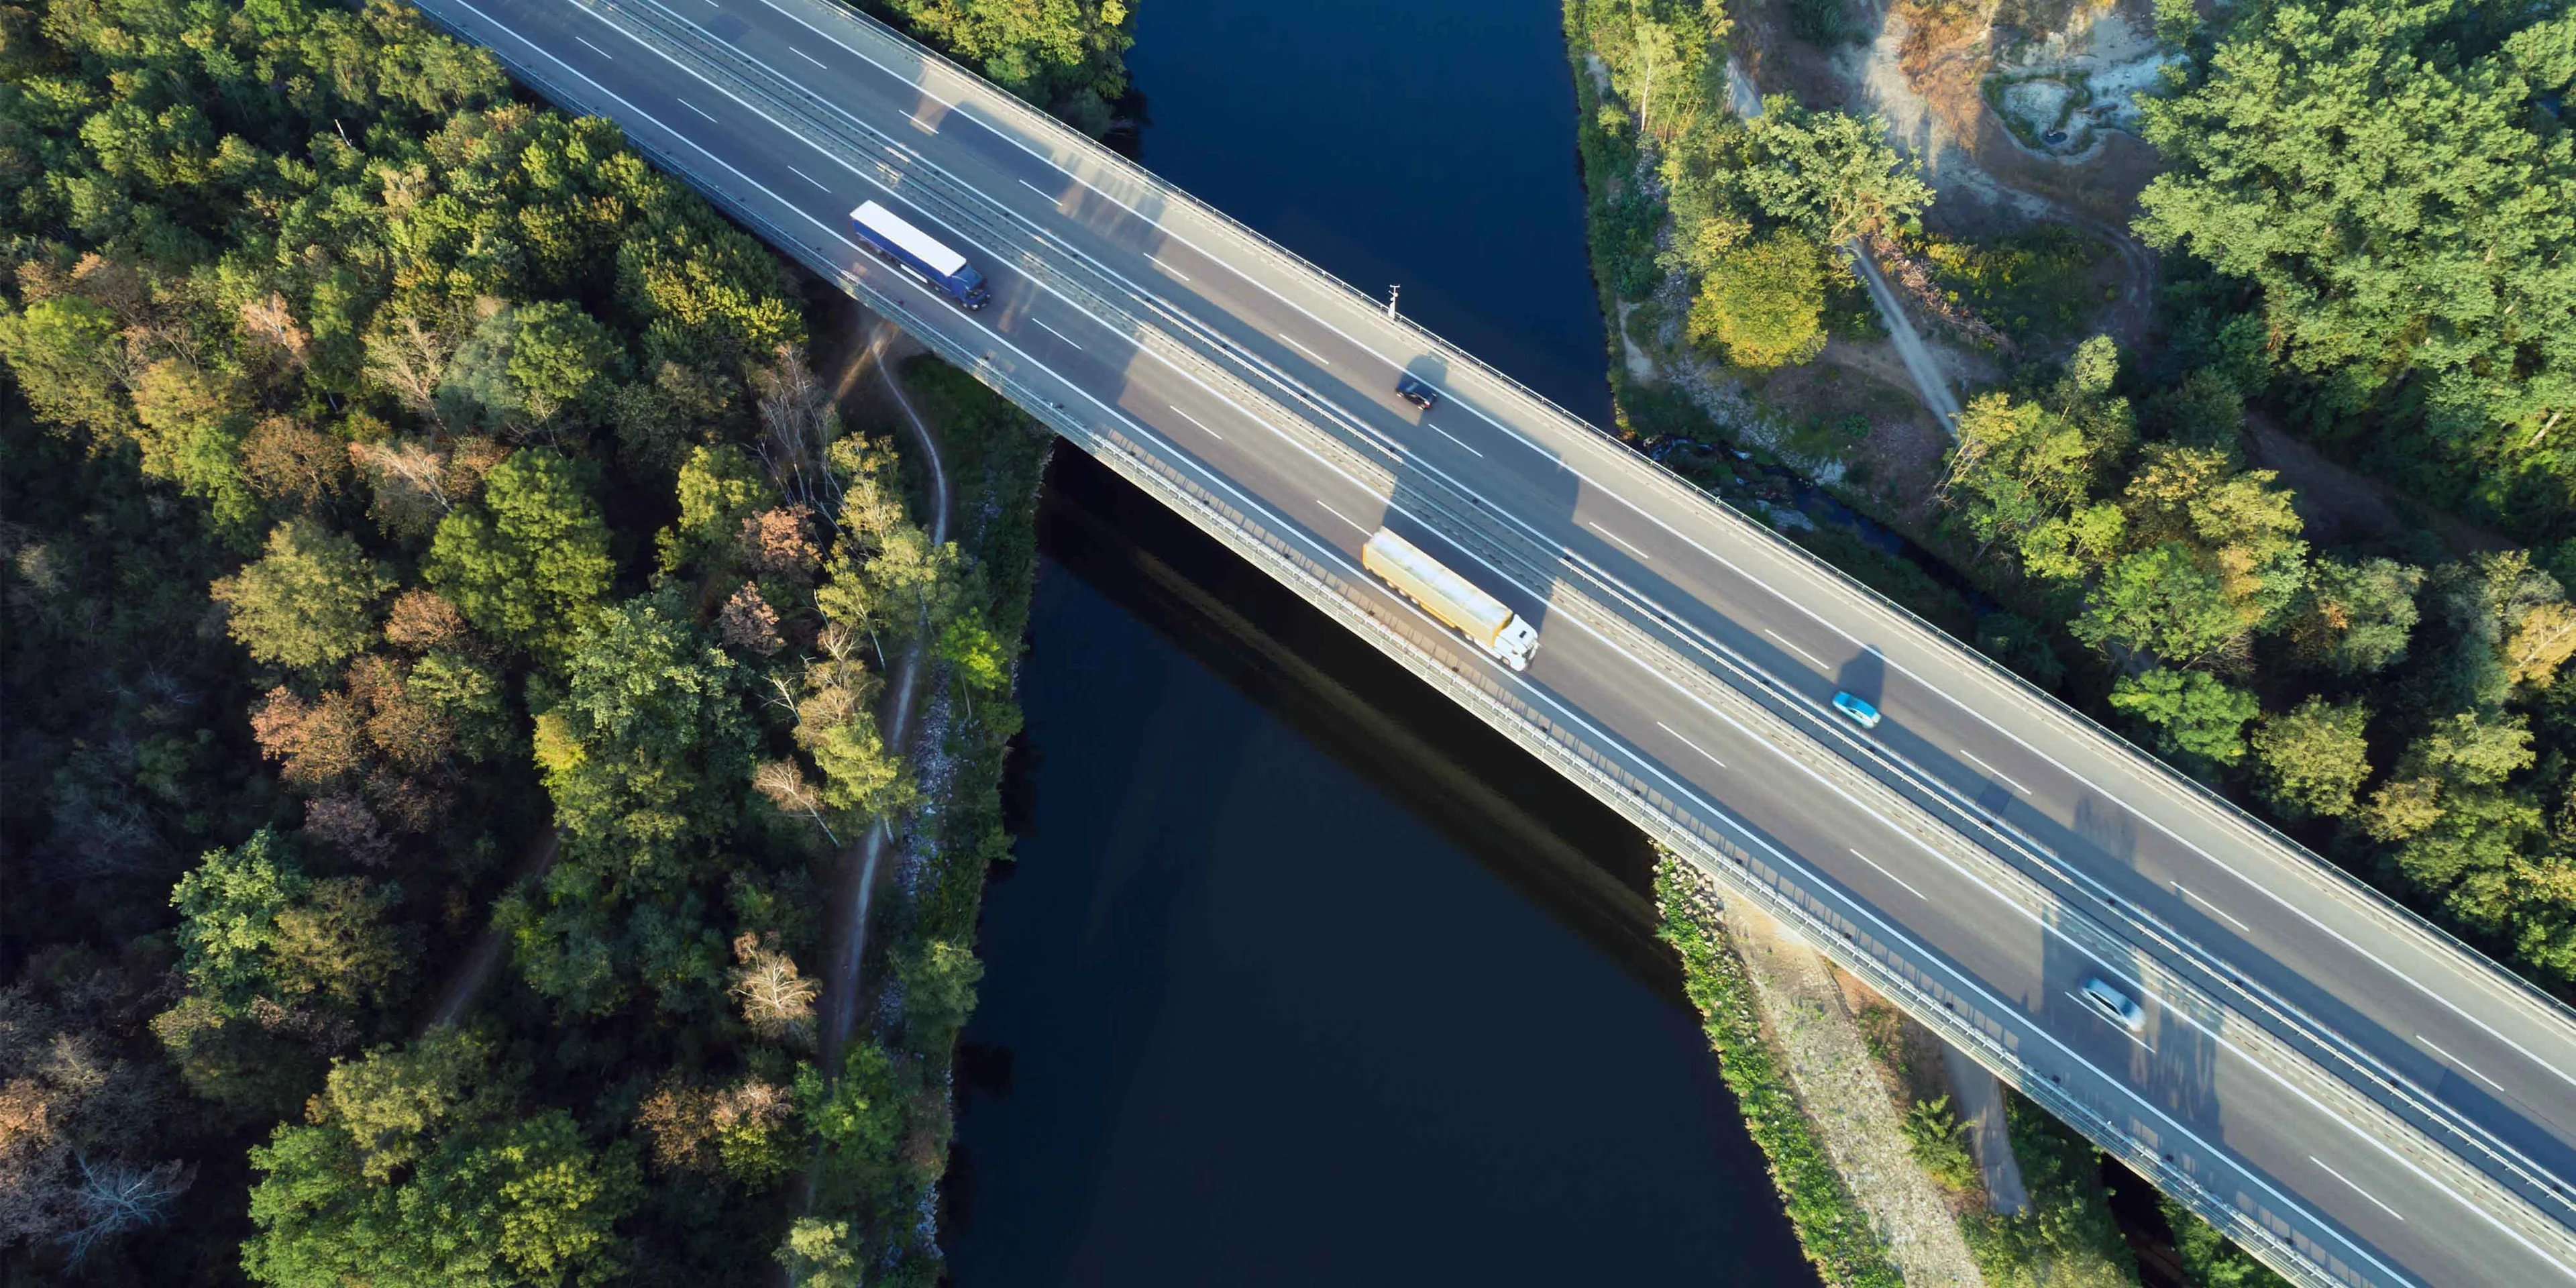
309	602
720	486
2163	603
1042	50
2389	176
252	924
419	1167
1832	175
64	353
646	755
529	565
563	358
1762	304
228	911
649	748
2199	720
2357	617
2311	759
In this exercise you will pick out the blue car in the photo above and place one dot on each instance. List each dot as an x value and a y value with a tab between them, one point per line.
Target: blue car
1861	713
1418	392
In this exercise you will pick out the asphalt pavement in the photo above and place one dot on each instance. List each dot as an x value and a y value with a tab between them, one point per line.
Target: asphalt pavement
1679	640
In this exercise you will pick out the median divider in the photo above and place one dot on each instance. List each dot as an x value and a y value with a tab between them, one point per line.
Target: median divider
1611	772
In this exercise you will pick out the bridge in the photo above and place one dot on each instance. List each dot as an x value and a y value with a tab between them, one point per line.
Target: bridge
2336	1084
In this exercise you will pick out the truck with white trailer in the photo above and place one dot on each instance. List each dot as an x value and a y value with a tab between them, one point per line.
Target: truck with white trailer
898	242
1456	601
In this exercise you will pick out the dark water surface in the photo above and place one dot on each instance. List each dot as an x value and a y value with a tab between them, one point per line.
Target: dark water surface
1427	143
1303	976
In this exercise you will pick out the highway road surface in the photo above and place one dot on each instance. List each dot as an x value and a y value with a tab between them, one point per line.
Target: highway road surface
2353	1094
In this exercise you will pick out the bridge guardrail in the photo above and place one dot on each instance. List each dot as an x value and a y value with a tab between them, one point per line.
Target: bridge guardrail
2331	879
962	209
1666	818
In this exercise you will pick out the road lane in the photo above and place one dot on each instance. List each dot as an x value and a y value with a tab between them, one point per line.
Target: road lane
1373	419
2304	950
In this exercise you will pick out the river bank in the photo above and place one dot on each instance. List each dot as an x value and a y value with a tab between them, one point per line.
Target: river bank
1304	975
1847	471
915	883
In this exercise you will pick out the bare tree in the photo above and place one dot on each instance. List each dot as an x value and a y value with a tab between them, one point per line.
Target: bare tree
409	355
798	426
117	1196
408	464
777	1001
269	322
787	788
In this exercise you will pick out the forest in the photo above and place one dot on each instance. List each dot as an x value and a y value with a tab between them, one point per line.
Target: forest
423	530
2367	212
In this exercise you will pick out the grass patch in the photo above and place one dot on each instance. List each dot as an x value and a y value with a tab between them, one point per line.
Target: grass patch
2032	285
1830	1224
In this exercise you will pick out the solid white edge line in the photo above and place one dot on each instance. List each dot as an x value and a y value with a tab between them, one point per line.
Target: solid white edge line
1644	762
1999	774
1712	759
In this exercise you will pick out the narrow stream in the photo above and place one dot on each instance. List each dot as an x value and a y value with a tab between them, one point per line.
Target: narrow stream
1304	976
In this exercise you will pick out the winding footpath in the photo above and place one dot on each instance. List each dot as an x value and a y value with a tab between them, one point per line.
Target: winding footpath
858	877
858	864
1929	383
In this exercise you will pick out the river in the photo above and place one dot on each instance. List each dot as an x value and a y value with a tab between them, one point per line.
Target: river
1303	976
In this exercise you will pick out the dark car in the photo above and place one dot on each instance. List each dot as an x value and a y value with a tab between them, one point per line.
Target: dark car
1417	392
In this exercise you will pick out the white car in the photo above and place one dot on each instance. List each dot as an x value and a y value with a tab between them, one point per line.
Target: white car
2115	1005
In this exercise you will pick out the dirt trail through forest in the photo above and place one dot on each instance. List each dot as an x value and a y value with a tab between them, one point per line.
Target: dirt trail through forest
859	864
852	892
476	966
1931	382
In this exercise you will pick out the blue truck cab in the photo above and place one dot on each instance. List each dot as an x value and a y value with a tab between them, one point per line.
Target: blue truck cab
917	253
